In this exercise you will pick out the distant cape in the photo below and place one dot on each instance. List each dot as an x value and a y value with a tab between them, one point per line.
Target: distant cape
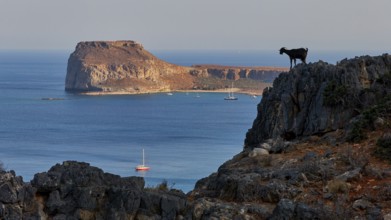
126	67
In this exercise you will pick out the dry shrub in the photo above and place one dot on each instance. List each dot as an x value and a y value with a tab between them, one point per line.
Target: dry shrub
266	160
338	186
353	159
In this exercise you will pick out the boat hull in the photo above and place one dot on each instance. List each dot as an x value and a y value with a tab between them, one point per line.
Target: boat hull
142	168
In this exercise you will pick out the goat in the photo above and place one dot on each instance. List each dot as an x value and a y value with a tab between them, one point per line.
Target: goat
294	54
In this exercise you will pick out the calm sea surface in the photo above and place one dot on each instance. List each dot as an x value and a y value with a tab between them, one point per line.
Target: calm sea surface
185	138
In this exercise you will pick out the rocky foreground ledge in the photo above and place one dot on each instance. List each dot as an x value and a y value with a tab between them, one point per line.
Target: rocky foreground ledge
320	148
104	67
76	190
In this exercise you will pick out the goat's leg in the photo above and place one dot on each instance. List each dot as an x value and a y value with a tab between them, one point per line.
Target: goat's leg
291	63
294	61
303	60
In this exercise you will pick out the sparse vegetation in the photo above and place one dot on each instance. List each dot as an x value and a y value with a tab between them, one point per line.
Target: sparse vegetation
357	133
338	186
334	94
385	79
351	158
383	147
213	83
163	186
1	166
266	160
381	109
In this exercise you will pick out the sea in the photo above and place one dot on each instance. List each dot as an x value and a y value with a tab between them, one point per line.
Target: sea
185	136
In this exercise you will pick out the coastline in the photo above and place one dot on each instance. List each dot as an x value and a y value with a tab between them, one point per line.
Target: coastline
235	90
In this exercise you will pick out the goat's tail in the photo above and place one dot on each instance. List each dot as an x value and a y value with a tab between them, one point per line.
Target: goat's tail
306	49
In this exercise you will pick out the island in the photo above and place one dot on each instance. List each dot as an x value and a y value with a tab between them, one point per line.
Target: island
125	67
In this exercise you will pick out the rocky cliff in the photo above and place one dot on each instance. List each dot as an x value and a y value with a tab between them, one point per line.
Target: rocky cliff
320	148
319	98
121	66
125	66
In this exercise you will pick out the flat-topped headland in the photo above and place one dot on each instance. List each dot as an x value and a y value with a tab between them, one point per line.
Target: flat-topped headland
125	67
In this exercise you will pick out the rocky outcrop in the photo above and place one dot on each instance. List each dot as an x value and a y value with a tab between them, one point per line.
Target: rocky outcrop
125	66
296	163
76	190
264	74
318	98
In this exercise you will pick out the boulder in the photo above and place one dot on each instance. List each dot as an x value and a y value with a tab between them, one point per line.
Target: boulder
258	152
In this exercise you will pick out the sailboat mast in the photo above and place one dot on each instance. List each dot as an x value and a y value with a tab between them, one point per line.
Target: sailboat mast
143	157
232	89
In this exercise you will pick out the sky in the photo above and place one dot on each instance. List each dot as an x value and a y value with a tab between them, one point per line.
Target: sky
358	25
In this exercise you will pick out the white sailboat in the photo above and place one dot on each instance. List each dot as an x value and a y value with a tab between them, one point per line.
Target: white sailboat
231	94
142	167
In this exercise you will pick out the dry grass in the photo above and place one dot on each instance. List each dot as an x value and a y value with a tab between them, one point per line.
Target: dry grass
338	186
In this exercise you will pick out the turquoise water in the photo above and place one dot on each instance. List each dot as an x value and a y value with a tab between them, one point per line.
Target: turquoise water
185	138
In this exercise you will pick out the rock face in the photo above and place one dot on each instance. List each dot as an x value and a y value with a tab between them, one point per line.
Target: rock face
318	98
296	163
265	74
75	190
125	66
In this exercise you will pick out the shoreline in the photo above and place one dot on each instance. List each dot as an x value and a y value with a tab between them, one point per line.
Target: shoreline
235	90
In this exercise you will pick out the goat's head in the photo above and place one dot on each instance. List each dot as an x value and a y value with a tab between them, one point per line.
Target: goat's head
282	50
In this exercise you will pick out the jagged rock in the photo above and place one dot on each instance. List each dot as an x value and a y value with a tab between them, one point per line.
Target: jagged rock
302	107
280	146
170	204
285	209
362	204
374	213
216	209
76	190
318	98
303	211
350	175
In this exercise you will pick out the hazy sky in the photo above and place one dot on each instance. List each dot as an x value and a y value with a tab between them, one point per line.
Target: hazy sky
198	24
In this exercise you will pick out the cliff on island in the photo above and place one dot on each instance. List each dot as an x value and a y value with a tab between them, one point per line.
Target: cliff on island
126	67
319	148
